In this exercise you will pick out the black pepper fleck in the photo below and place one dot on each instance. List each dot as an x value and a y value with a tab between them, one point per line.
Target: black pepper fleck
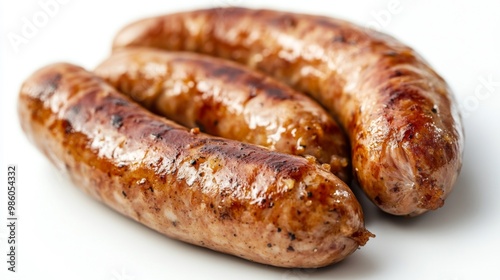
156	136
116	121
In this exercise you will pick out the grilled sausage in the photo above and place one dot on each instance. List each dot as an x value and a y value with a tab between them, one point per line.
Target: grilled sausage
232	197
404	128
228	100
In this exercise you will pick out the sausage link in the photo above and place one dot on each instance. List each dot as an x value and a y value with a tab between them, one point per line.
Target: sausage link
403	124
232	197
225	99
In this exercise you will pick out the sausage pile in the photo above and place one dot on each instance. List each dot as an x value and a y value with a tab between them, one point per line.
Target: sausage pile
267	183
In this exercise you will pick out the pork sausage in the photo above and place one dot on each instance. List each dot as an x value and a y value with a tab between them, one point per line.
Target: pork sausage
226	99
405	131
225	195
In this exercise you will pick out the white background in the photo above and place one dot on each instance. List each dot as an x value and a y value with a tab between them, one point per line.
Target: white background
64	234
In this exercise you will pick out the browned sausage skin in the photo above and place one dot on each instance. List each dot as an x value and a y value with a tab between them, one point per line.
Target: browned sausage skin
232	197
228	100
405	131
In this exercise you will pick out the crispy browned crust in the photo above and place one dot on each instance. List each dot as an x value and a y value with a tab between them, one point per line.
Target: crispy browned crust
229	196
226	99
405	131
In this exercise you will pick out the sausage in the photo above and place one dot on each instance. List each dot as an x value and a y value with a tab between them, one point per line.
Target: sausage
225	195
225	99
404	128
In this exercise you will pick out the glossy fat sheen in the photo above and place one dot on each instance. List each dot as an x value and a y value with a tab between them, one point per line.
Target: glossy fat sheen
229	196
405	132
226	99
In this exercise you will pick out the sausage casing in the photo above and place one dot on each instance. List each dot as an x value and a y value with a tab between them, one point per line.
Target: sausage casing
226	99
405	132
232	197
